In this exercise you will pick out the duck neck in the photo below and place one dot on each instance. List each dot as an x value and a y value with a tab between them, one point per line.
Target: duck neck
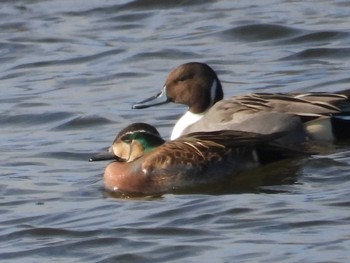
186	120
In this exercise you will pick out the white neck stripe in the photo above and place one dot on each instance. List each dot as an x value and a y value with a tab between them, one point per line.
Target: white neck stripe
213	90
186	120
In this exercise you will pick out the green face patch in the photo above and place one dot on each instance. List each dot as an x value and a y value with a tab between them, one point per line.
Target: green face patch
148	141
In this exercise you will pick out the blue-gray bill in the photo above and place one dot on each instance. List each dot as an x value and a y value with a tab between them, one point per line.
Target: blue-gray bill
158	99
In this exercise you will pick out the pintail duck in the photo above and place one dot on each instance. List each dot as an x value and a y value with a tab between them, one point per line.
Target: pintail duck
302	116
145	164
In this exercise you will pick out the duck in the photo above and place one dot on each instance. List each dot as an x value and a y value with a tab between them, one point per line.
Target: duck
318	116
144	163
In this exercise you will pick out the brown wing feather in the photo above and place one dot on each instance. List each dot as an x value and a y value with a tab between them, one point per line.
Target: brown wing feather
184	153
199	148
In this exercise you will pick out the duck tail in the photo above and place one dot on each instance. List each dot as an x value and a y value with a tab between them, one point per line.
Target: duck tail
341	126
273	152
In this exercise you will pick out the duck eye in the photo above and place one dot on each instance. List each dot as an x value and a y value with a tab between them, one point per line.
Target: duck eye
127	140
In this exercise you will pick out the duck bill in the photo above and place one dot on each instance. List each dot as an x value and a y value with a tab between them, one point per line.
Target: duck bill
158	99
104	156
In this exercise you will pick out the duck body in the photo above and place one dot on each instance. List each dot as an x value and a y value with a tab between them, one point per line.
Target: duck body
194	160
165	170
301	116
184	163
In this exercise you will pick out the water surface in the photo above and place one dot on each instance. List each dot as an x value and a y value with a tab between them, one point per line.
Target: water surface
72	69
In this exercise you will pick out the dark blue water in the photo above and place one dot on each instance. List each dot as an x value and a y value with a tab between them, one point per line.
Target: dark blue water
70	71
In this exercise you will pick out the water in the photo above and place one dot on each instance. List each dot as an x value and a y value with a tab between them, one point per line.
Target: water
70	71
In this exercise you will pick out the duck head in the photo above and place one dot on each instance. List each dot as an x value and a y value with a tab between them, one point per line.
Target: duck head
193	84
131	143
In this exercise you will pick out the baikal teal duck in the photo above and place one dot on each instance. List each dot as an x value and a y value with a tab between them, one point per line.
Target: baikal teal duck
143	163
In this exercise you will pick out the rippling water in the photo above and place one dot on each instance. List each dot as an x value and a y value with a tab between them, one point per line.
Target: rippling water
70	71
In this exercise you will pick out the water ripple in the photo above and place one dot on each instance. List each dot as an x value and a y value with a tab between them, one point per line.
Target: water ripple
72	69
316	37
71	61
154	4
34	119
260	32
82	122
320	53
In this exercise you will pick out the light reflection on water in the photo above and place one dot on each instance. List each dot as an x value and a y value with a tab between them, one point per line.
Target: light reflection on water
70	71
